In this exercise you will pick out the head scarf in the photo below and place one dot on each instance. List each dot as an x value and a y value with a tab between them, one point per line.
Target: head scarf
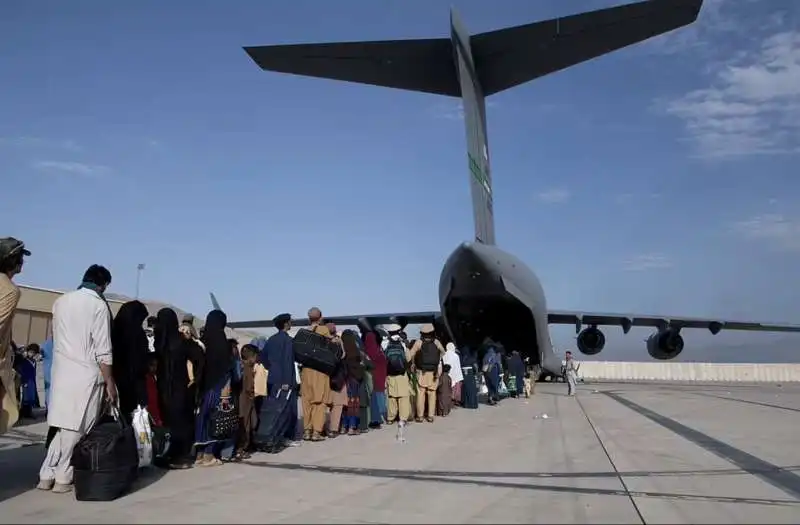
129	349
352	355
219	358
452	358
168	343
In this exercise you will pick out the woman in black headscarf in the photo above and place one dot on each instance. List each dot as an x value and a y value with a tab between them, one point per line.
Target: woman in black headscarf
129	352
214	388
176	398
354	371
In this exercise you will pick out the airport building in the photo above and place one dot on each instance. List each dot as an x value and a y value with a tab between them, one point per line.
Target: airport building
33	319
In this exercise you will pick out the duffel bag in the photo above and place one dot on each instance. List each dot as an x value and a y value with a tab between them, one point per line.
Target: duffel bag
315	351
106	460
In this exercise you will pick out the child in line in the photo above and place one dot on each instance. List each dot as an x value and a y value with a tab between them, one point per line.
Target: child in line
528	384
247	405
444	392
151	383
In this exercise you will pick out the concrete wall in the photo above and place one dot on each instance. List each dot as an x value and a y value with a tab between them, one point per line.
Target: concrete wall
667	371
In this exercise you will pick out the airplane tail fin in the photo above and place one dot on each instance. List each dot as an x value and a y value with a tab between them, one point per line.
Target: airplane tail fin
474	67
214	302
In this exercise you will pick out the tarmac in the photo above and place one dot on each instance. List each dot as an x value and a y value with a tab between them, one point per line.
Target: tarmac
615	453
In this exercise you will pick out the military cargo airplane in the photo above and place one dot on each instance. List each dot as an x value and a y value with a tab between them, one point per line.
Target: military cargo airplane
483	290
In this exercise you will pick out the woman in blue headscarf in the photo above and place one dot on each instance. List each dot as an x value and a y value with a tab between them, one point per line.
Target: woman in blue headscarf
215	388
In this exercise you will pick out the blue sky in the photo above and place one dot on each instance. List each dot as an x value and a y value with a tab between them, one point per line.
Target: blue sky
658	179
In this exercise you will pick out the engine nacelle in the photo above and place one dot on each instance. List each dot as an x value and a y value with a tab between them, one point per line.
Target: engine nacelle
665	344
591	341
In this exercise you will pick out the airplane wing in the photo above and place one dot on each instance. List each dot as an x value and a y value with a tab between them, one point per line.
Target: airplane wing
627	321
578	319
402	319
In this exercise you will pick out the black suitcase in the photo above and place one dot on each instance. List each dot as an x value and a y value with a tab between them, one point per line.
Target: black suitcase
276	419
315	351
105	461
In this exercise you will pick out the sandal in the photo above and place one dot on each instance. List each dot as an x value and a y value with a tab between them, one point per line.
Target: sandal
214	462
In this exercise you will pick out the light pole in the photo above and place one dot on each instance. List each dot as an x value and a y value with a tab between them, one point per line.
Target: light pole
139	270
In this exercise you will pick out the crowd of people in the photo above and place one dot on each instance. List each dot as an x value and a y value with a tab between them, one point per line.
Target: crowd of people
191	381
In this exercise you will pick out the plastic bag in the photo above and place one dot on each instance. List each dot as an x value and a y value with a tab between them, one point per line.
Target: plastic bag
144	436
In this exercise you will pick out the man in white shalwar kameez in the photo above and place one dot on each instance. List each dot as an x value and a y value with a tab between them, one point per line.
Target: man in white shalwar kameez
81	373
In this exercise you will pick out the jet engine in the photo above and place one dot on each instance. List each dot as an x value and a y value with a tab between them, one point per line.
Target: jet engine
665	344
591	341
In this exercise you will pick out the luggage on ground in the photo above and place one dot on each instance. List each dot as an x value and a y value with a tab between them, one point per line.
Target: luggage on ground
276	419
315	351
427	359
106	460
396	359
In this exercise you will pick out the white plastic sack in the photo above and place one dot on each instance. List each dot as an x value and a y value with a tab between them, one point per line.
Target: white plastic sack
483	389
144	436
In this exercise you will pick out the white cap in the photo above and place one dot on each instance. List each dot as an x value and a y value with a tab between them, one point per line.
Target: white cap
393	327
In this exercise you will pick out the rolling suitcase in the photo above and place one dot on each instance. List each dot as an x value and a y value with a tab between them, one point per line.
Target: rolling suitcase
315	351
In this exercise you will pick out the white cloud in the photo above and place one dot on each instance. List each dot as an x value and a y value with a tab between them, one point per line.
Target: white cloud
76	168
775	229
647	261
752	105
555	196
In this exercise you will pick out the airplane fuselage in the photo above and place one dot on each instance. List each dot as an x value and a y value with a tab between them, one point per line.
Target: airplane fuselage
487	292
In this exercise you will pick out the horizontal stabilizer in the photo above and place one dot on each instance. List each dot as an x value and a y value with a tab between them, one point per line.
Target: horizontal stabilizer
416	65
503	59
513	56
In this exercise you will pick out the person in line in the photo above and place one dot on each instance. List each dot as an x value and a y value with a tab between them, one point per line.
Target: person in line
130	348
215	388
444	393
516	374
260	343
150	333
82	369
196	358
378	399
282	374
571	372
25	366
229	452
456	374
337	396
47	368
426	354
151	385
247	397
469	387
365	391
175	389
314	387
398	386
355	377
491	371
12	258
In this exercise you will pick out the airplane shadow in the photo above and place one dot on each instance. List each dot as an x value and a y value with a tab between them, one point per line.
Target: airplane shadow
454	477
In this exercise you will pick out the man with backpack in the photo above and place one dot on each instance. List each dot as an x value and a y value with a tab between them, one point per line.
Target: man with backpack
426	354
398	388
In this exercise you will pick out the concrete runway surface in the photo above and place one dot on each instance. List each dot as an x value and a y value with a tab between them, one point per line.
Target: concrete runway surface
616	453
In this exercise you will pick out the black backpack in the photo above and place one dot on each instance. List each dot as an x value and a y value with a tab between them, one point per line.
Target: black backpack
427	359
395	359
